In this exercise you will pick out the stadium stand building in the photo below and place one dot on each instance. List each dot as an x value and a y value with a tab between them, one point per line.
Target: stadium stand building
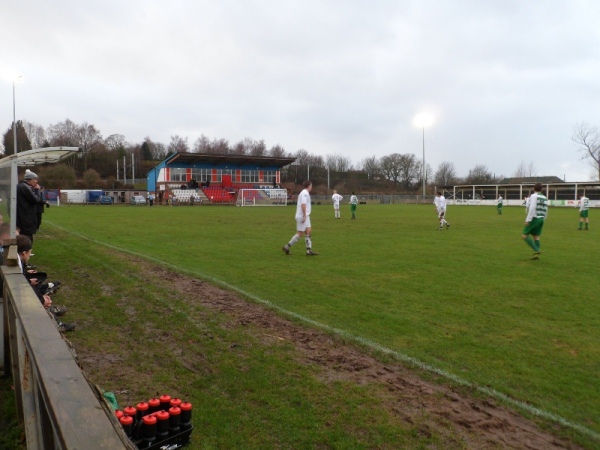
213	178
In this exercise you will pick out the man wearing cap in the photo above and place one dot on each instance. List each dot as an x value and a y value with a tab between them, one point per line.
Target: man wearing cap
26	204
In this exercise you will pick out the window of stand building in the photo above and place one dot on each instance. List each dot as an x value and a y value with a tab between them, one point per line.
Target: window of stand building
178	174
250	176
202	175
269	176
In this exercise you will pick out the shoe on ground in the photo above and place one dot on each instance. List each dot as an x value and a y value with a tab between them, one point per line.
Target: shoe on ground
57	310
440	228
536	255
311	253
64	327
286	249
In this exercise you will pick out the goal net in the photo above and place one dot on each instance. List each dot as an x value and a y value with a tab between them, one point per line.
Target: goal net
262	197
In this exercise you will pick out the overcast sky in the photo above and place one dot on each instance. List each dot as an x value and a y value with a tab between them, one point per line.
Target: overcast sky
506	80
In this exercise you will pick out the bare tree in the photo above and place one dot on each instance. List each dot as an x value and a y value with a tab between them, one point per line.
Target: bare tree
201	145
178	144
258	148
445	175
336	166
391	167
331	161
316	161
88	137
299	170
410	169
249	147
302	157
117	142
36	134
338	163
159	150
428	172
370	165
277	151
220	146
63	134
480	175
588	139
239	148
525	170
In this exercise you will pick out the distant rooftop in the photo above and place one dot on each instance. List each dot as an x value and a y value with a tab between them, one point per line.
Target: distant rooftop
531	180
213	158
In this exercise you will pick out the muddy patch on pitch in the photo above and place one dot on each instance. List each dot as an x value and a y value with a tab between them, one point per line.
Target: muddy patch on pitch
463	419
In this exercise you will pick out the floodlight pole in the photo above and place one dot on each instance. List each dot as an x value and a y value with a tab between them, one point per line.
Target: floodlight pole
423	120
14	119
423	161
14	178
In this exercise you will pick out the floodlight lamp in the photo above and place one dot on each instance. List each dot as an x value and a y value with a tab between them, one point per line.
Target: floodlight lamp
423	120
11	76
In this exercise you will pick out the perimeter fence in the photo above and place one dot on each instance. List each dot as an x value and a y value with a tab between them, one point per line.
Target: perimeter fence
56	405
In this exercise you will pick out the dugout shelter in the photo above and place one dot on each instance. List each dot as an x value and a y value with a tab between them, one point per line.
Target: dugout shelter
559	193
213	178
9	167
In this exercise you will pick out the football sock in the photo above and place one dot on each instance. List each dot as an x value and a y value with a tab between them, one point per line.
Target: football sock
308	243
529	241
294	239
538	244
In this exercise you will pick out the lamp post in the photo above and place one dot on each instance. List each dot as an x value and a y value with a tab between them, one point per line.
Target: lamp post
423	120
14	81
14	168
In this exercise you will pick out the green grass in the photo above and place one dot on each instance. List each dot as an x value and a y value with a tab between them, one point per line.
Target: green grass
467	301
10	437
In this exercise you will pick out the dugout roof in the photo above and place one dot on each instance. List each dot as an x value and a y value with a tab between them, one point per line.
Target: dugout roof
37	156
215	159
9	179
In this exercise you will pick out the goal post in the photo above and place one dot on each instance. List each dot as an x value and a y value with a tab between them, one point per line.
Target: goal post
262	197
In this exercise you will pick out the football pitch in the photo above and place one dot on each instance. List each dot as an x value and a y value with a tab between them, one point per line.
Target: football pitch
466	303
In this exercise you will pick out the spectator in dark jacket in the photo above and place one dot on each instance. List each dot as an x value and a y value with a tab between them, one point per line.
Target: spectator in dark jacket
26	204
39	208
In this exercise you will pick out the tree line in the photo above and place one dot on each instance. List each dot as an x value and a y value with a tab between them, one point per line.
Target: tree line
97	164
